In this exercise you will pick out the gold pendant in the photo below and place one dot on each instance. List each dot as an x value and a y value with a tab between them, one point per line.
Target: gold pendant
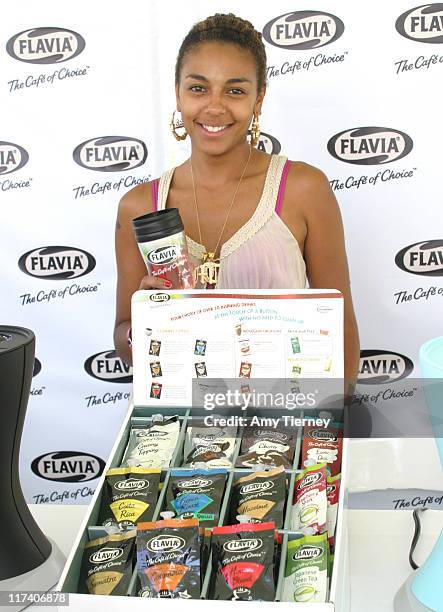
207	272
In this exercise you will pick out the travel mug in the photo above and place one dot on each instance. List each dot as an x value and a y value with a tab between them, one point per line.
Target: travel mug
162	243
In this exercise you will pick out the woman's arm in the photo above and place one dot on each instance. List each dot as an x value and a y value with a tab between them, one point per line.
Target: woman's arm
131	270
324	251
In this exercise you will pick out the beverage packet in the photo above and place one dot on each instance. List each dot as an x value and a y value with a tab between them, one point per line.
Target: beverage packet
309	500
196	494
270	447
333	494
154	445
168	558
214	446
129	495
306	570
323	445
243	562
261	496
106	567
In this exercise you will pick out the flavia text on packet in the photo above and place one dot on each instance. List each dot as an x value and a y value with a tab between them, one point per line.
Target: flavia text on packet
259	421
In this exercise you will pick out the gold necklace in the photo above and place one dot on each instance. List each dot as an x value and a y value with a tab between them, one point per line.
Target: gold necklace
207	271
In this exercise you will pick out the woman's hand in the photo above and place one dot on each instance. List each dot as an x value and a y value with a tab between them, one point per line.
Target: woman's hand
154	282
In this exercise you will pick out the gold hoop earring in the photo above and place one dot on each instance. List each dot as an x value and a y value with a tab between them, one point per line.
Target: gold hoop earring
177	125
255	131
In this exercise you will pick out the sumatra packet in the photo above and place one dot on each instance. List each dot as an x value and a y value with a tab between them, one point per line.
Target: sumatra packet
168	558
129	496
107	565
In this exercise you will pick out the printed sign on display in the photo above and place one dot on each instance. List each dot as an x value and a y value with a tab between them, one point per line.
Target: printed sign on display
422	24
424	258
111	153
48	47
370	145
302	30
56	262
68	466
108	367
45	45
379	366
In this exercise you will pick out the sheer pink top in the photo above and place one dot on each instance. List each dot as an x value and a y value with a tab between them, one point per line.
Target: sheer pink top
263	253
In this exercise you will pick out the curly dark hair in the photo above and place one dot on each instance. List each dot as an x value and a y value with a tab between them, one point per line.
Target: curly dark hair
226	28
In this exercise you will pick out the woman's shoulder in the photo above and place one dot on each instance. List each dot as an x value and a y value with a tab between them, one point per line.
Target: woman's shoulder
309	188
302	175
137	201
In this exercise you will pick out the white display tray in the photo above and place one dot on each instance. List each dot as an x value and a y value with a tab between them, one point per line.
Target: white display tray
339	596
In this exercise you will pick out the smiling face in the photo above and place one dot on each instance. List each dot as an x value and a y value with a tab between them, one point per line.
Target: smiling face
217	95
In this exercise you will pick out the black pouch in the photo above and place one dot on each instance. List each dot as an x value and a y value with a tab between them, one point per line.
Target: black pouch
243	563
129	496
106	567
261	496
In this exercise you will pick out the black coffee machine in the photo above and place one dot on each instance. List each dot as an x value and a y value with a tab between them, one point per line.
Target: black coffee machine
28	560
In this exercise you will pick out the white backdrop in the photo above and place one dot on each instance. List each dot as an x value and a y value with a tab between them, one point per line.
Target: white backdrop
103	74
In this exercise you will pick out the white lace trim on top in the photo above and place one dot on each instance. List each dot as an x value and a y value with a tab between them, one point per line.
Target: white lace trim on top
264	211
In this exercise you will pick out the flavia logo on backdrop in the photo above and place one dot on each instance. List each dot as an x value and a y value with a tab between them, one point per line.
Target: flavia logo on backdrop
12	157
109	367
111	153
68	466
303	30
56	262
377	366
369	146
45	45
424	258
422	24
268	144
37	367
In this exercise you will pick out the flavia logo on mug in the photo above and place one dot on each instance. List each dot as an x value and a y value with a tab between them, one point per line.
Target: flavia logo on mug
303	30
377	366
422	23
12	157
424	258
37	367
45	45
68	466
369	146
111	153
107	366
56	262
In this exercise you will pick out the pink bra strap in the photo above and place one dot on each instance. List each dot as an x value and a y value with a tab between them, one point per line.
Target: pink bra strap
282	187
154	193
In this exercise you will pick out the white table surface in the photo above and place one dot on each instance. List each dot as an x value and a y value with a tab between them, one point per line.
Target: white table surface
379	543
379	540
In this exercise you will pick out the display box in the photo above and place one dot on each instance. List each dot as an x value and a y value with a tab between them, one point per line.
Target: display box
338	598
183	337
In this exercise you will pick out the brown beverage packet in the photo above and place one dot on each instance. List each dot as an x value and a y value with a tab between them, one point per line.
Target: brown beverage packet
261	496
106	567
211	445
270	447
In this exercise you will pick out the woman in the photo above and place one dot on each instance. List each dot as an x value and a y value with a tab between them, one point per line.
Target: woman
256	219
